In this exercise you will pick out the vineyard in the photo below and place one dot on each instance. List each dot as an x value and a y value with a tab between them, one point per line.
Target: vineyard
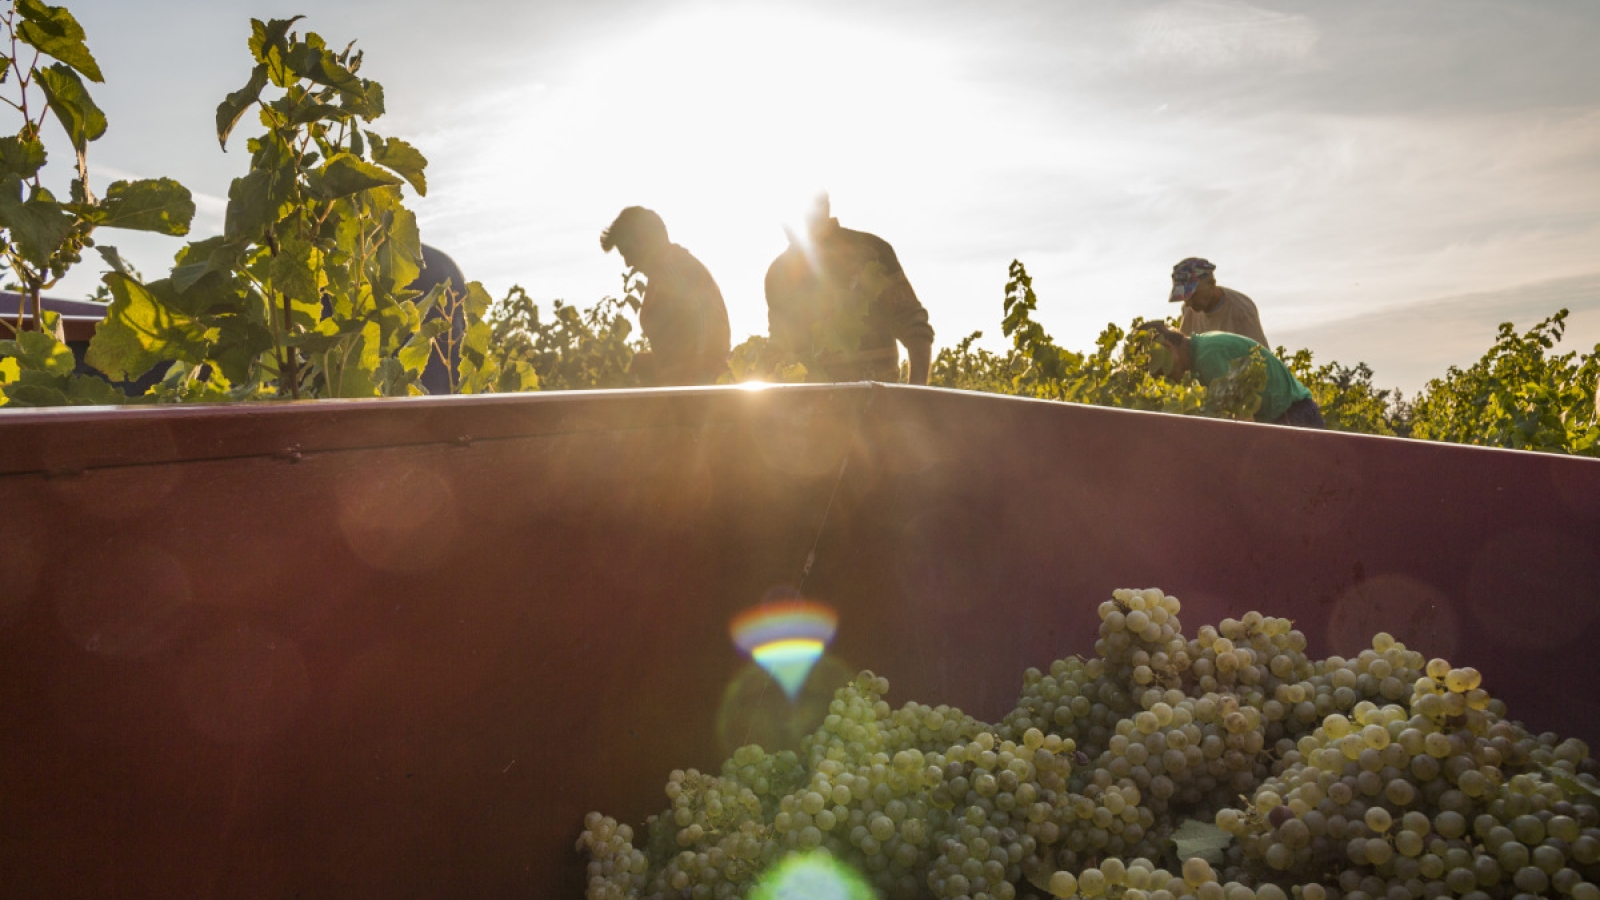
305	294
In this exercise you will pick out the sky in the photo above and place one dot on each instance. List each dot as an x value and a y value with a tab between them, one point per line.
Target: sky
1387	180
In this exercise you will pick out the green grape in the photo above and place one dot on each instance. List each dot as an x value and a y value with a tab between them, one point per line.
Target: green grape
1375	736
1378	819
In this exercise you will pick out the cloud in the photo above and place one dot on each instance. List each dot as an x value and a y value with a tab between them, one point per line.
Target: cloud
1410	345
1218	35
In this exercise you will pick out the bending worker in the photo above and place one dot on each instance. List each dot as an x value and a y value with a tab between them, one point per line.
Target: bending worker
1284	400
681	314
1208	306
838	300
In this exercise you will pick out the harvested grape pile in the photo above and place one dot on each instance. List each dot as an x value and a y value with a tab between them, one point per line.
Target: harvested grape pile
1382	777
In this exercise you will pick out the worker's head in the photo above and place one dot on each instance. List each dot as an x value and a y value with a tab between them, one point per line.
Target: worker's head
808	216
638	234
818	212
1169	350
1194	284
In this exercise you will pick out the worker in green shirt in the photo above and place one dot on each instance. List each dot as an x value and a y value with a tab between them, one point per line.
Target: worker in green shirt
1210	354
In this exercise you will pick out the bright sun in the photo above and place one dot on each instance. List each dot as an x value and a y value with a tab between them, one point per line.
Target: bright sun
732	119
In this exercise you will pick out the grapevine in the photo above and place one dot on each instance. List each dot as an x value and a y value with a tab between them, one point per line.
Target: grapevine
1224	766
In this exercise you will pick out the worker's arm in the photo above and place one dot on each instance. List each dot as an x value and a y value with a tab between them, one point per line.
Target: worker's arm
921	359
908	322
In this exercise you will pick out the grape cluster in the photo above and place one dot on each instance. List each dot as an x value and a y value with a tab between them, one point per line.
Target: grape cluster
1383	776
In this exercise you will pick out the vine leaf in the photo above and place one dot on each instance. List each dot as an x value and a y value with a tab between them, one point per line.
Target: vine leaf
344	175
233	107
1572	786
21	157
414	355
399	156
79	116
40	351
142	329
319	65
295	271
38	226
270	35
53	31
115	261
1197	838
161	205
255	201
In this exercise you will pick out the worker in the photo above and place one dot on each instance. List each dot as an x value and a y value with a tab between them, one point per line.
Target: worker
838	300
1210	354
1208	306
681	313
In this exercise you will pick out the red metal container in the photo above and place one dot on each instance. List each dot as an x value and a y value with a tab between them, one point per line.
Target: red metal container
399	648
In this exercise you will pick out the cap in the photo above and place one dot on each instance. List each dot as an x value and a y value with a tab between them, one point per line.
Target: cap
1186	277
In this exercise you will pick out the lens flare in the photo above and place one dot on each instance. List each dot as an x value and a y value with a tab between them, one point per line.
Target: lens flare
785	638
812	876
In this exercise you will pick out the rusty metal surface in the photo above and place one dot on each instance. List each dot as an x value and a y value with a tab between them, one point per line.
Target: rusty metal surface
397	649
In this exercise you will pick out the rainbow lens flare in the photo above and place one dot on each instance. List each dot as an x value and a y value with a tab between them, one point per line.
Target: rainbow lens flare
786	638
812	876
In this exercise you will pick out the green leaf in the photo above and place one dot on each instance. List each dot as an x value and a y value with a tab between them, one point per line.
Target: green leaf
355	378
41	352
89	390
1571	785
369	105
306	113
344	175
399	156
394	379
270	35
38	226
53	31
201	258
27	394
432	298
23	158
239	345
296	271
317	64
414	355
160	205
255	202
1202	839
115	261
141	329
400	257
233	107
83	121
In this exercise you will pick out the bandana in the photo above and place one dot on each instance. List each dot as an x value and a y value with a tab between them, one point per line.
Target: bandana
1186	277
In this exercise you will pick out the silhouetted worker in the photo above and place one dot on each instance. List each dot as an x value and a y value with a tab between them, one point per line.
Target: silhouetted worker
839	298
1207	306
1284	400
681	314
